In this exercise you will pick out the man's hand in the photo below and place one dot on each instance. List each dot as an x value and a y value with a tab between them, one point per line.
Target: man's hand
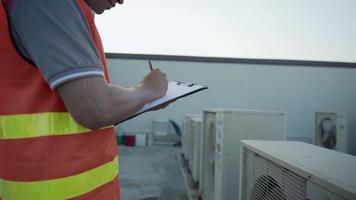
155	84
163	106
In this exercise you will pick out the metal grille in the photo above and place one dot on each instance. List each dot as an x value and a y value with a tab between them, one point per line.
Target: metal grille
262	179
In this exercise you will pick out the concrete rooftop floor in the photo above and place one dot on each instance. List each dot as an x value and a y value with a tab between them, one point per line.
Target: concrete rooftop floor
152	173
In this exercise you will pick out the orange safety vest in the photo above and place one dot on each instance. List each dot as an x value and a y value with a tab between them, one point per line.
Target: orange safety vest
44	153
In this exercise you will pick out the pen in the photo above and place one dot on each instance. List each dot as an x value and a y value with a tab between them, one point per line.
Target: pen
151	66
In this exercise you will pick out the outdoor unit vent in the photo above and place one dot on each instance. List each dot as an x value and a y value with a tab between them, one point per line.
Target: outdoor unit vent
187	141
207	159
192	143
286	170
336	131
263	179
232	126
196	130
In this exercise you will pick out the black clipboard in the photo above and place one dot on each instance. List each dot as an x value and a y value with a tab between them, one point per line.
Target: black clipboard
176	90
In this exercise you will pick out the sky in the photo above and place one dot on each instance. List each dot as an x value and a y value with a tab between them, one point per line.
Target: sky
317	30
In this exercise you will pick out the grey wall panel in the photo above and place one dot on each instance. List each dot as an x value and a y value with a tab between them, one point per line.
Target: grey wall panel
298	90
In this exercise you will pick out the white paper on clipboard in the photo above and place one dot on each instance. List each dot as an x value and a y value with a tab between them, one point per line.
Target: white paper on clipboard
176	90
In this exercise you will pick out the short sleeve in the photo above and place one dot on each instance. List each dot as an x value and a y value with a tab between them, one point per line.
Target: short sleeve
55	36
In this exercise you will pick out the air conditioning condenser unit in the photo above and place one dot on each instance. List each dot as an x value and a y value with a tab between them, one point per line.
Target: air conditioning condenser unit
289	170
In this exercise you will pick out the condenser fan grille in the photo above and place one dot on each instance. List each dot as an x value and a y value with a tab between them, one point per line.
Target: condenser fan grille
327	133
262	179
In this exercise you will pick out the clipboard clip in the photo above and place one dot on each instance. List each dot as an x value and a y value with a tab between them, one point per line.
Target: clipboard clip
186	84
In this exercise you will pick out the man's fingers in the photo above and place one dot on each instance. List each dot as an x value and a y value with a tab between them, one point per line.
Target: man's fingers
165	105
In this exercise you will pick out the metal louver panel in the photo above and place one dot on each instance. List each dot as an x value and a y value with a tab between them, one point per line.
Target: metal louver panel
262	179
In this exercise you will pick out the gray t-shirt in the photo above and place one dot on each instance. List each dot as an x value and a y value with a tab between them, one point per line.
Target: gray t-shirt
55	36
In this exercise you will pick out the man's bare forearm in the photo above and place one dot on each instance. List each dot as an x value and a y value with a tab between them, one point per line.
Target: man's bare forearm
94	104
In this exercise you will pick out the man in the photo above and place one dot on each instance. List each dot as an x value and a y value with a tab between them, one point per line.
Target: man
57	106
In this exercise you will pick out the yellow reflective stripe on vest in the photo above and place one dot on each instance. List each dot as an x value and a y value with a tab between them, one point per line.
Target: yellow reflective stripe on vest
38	124
62	188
